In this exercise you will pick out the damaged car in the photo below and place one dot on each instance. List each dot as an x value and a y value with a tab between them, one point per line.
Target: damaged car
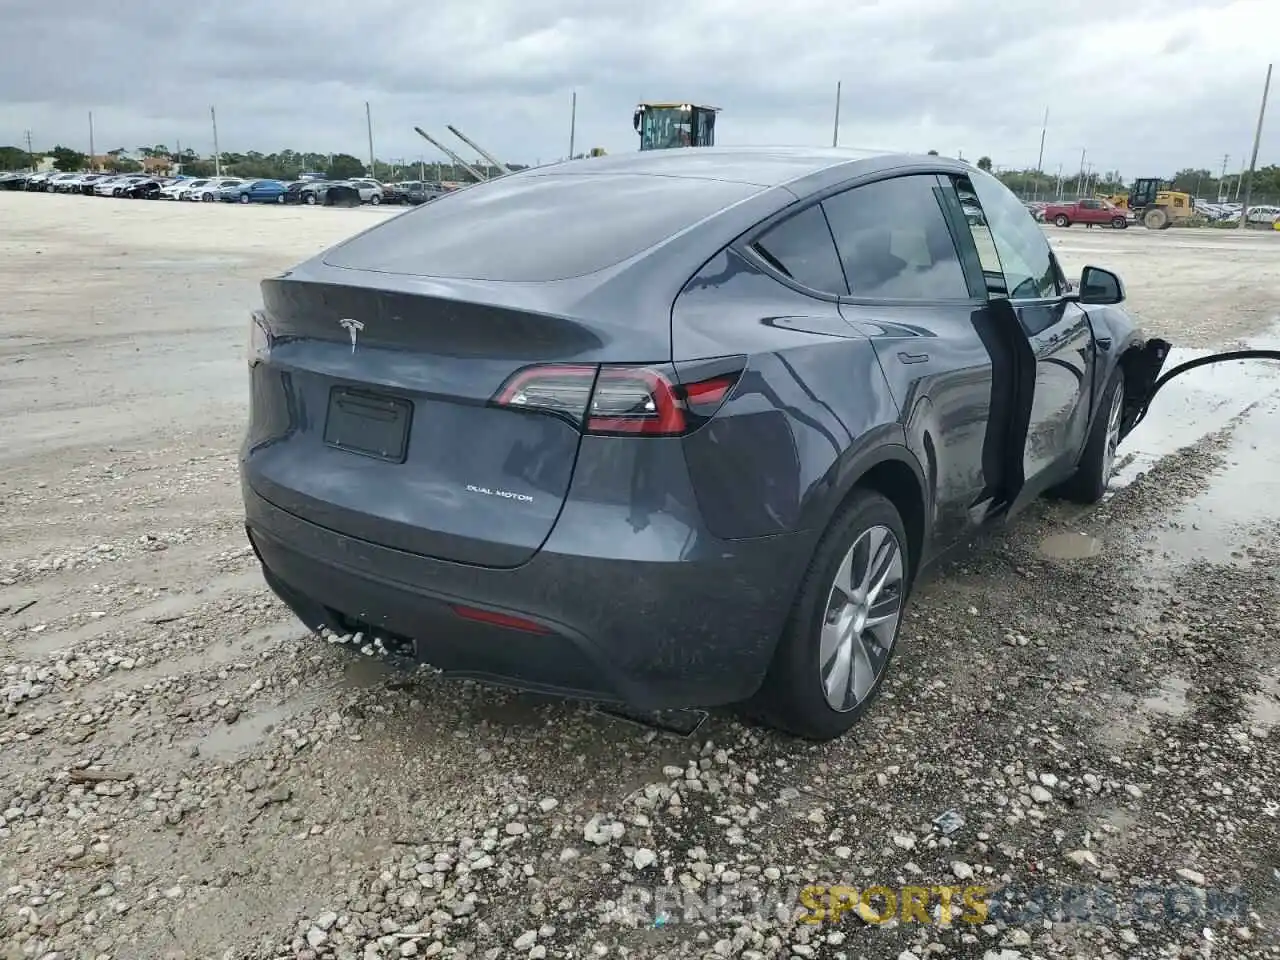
676	429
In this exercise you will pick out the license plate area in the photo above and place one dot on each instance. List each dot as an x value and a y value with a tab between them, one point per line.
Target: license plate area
370	424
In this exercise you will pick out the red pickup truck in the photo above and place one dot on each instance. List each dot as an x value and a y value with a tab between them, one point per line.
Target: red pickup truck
1088	211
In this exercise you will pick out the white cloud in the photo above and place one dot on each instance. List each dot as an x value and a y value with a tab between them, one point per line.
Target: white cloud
1146	87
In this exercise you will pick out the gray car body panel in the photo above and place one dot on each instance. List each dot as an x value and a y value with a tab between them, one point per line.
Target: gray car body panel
662	569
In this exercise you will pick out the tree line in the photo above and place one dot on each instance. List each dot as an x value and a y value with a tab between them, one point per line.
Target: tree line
289	164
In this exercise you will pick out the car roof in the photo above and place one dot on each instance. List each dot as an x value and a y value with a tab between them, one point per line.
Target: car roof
800	169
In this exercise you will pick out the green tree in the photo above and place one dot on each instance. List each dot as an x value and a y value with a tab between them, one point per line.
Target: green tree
122	164
984	163
343	166
67	160
13	158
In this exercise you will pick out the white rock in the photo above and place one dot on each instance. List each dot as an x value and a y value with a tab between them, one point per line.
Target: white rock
962	870
644	858
526	940
1191	876
1040	795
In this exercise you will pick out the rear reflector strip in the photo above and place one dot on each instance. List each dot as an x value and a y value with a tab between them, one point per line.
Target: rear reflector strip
496	619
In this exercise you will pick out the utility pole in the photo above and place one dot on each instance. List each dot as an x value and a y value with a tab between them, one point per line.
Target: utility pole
31	157
1040	159
1253	159
1222	180
1057	191
91	153
835	136
1080	178
368	122
573	122
217	157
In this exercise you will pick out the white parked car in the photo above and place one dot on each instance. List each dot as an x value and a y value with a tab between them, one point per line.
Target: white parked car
179	188
370	190
209	190
112	186
58	181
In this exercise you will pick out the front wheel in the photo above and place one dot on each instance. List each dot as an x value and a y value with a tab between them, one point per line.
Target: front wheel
310	199
835	650
1119	222
1098	462
244	198
375	200
1061	220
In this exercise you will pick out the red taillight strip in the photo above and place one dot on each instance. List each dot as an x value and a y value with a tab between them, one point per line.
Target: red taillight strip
493	618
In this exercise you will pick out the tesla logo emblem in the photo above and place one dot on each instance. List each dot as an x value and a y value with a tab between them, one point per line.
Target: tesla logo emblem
353	327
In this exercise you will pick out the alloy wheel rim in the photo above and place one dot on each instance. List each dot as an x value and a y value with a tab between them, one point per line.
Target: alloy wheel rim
860	626
1114	417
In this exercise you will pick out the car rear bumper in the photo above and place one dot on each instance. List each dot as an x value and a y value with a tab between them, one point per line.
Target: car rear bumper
653	632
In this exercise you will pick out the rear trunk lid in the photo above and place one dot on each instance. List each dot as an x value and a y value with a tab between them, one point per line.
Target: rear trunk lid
372	414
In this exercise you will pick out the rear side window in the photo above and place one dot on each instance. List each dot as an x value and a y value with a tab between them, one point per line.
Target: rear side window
801	248
536	228
894	241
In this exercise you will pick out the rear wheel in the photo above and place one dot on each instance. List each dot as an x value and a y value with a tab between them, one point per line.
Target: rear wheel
1098	462
836	648
1061	220
1155	218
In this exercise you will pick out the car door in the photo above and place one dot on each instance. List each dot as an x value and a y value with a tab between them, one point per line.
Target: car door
936	338
1055	382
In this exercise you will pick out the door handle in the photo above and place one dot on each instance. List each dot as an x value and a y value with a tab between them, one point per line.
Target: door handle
913	357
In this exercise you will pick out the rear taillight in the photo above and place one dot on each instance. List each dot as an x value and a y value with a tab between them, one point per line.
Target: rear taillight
618	400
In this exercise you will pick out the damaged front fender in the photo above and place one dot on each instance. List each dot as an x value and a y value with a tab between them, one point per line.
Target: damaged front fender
1143	379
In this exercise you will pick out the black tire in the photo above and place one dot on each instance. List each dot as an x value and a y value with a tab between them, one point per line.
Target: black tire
1097	464
1062	220
310	199
1119	223
1155	218
244	198
792	698
374	199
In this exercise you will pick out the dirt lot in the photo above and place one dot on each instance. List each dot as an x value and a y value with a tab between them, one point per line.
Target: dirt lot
1092	698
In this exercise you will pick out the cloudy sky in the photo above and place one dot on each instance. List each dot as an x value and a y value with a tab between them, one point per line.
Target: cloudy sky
1146	86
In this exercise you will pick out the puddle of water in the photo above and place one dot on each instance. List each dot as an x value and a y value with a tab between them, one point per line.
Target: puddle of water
1242	495
1196	404
231	741
1131	720
1170	700
1264	706
1070	546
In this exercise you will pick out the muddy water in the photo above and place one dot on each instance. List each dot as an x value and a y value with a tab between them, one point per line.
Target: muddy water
1216	525
1070	546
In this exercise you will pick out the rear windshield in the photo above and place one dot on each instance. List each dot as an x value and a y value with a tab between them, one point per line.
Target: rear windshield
535	228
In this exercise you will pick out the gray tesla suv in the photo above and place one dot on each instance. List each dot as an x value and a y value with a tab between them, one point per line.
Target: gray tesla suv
676	428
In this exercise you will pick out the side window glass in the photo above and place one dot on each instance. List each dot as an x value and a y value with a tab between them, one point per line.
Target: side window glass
1024	252
992	271
894	241
800	247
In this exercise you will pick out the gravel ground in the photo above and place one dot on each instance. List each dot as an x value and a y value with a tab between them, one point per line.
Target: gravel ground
1087	702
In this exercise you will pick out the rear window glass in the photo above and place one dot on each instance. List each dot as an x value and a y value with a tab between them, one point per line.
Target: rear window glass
534	228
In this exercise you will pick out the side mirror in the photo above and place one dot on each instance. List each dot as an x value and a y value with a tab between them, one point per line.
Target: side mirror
1100	287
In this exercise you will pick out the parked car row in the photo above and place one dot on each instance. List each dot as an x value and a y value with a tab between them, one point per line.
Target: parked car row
226	189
